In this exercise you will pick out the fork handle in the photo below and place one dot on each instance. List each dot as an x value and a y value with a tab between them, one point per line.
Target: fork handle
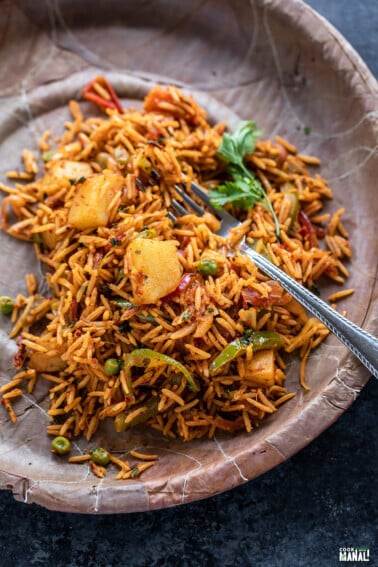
363	345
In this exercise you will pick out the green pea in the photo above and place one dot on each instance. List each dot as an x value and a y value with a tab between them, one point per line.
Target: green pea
121	156
112	366
104	160
100	456
208	267
47	156
61	445
6	305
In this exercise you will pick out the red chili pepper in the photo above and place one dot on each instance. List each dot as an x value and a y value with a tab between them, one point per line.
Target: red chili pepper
321	232
184	283
307	230
90	93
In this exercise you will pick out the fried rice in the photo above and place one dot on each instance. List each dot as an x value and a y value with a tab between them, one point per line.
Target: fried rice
124	282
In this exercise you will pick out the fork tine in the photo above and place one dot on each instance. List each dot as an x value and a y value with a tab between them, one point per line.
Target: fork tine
197	190
192	204
171	216
228	220
179	209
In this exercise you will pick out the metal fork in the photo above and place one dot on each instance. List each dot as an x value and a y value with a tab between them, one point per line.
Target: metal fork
363	345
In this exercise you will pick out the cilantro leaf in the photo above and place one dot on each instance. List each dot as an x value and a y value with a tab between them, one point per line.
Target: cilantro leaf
235	146
247	183
230	192
243	190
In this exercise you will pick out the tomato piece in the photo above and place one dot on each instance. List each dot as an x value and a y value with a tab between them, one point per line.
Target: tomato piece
276	296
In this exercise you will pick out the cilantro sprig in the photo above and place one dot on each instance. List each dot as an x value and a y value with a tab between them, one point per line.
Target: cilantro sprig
243	190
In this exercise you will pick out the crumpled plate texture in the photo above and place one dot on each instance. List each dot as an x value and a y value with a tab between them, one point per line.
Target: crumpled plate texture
274	61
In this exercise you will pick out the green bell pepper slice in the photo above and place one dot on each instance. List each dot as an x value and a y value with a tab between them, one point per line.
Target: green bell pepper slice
148	358
258	339
151	406
290	194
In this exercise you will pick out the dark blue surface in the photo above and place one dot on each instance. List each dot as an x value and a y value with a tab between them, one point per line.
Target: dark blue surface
299	514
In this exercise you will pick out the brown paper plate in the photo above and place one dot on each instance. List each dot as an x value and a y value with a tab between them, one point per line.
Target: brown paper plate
276	62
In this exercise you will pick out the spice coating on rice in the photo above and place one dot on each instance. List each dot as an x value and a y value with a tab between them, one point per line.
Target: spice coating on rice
150	321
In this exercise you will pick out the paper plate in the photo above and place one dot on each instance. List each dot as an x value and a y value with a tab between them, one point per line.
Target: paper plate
276	62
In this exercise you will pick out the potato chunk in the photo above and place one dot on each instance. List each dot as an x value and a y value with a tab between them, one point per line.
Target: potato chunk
71	170
260	369
155	269
90	205
42	362
60	174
